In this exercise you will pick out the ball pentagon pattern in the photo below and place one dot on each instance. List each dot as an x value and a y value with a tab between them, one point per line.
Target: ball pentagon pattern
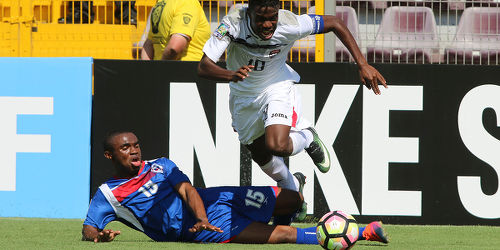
337	230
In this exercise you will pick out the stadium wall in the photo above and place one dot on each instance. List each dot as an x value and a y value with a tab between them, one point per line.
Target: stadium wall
45	110
423	152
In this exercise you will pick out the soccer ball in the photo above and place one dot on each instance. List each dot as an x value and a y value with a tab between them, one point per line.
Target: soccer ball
337	230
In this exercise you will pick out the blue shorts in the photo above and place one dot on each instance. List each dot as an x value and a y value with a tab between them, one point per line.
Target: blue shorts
232	209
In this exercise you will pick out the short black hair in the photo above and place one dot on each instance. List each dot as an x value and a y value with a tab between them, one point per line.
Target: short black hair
106	143
263	3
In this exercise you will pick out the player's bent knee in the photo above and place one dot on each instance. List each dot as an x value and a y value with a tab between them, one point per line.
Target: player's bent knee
278	148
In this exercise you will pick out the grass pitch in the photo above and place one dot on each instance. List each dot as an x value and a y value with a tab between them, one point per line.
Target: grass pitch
34	233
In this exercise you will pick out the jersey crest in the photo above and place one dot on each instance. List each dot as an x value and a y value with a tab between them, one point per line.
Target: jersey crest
156	168
186	17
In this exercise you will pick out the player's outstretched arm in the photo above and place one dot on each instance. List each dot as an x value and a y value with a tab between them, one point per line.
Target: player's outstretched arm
210	70
193	200
90	233
370	77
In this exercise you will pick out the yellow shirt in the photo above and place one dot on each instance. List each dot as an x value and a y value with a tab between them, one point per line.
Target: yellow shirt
179	16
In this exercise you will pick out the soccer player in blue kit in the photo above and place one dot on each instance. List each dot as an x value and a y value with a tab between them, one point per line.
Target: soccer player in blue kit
156	198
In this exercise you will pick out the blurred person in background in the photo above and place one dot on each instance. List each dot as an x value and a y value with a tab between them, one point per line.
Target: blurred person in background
82	12
125	12
78	12
179	29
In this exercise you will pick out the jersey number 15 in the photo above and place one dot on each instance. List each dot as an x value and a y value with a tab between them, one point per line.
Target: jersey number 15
149	188
254	198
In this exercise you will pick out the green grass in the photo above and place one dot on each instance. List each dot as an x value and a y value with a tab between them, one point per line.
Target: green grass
28	233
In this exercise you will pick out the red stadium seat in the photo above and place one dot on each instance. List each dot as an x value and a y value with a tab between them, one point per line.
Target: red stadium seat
477	40
350	18
405	35
225	3
302	3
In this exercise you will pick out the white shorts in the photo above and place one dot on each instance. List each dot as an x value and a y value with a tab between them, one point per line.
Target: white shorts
280	103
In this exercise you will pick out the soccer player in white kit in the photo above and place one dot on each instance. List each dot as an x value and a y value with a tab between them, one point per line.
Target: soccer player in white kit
264	102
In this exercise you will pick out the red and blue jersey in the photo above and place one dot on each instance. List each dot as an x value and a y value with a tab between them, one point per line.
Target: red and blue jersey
149	203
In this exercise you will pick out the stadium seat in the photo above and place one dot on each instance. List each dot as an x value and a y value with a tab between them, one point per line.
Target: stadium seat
305	48
477	40
456	4
350	18
405	35
303	3
374	4
378	4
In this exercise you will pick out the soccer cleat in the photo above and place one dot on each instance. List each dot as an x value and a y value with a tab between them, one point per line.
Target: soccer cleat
375	232
318	152
301	214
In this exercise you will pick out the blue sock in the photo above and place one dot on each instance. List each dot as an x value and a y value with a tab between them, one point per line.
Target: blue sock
361	230
306	236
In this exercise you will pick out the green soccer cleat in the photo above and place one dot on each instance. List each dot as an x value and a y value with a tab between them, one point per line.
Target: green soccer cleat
318	152
301	214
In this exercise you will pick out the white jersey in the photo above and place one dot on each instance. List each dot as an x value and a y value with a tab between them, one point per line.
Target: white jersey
244	47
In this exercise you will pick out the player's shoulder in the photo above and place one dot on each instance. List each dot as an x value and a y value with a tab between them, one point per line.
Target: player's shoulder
286	17
160	164
236	14
193	3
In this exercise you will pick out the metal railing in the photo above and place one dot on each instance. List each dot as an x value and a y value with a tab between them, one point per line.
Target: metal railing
424	31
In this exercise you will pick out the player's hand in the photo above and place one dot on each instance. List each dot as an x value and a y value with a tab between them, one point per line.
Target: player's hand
204	225
371	78
106	235
242	73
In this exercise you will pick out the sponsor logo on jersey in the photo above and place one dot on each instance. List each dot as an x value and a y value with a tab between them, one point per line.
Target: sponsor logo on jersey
221	31
274	52
279	115
156	168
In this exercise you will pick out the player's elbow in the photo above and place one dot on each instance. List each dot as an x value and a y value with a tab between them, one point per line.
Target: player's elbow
172	54
203	67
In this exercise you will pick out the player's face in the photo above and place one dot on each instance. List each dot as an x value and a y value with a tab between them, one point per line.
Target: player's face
126	153
263	21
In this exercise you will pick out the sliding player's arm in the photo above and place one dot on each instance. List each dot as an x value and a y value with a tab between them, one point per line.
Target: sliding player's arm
90	233
193	200
368	74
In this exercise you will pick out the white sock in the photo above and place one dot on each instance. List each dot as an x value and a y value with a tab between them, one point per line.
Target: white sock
277	170
300	139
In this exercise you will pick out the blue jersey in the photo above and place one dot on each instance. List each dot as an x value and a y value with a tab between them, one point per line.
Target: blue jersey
150	204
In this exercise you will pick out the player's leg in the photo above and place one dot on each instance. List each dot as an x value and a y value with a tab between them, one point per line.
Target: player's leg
287	132
258	232
278	141
287	202
289	205
373	232
273	166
